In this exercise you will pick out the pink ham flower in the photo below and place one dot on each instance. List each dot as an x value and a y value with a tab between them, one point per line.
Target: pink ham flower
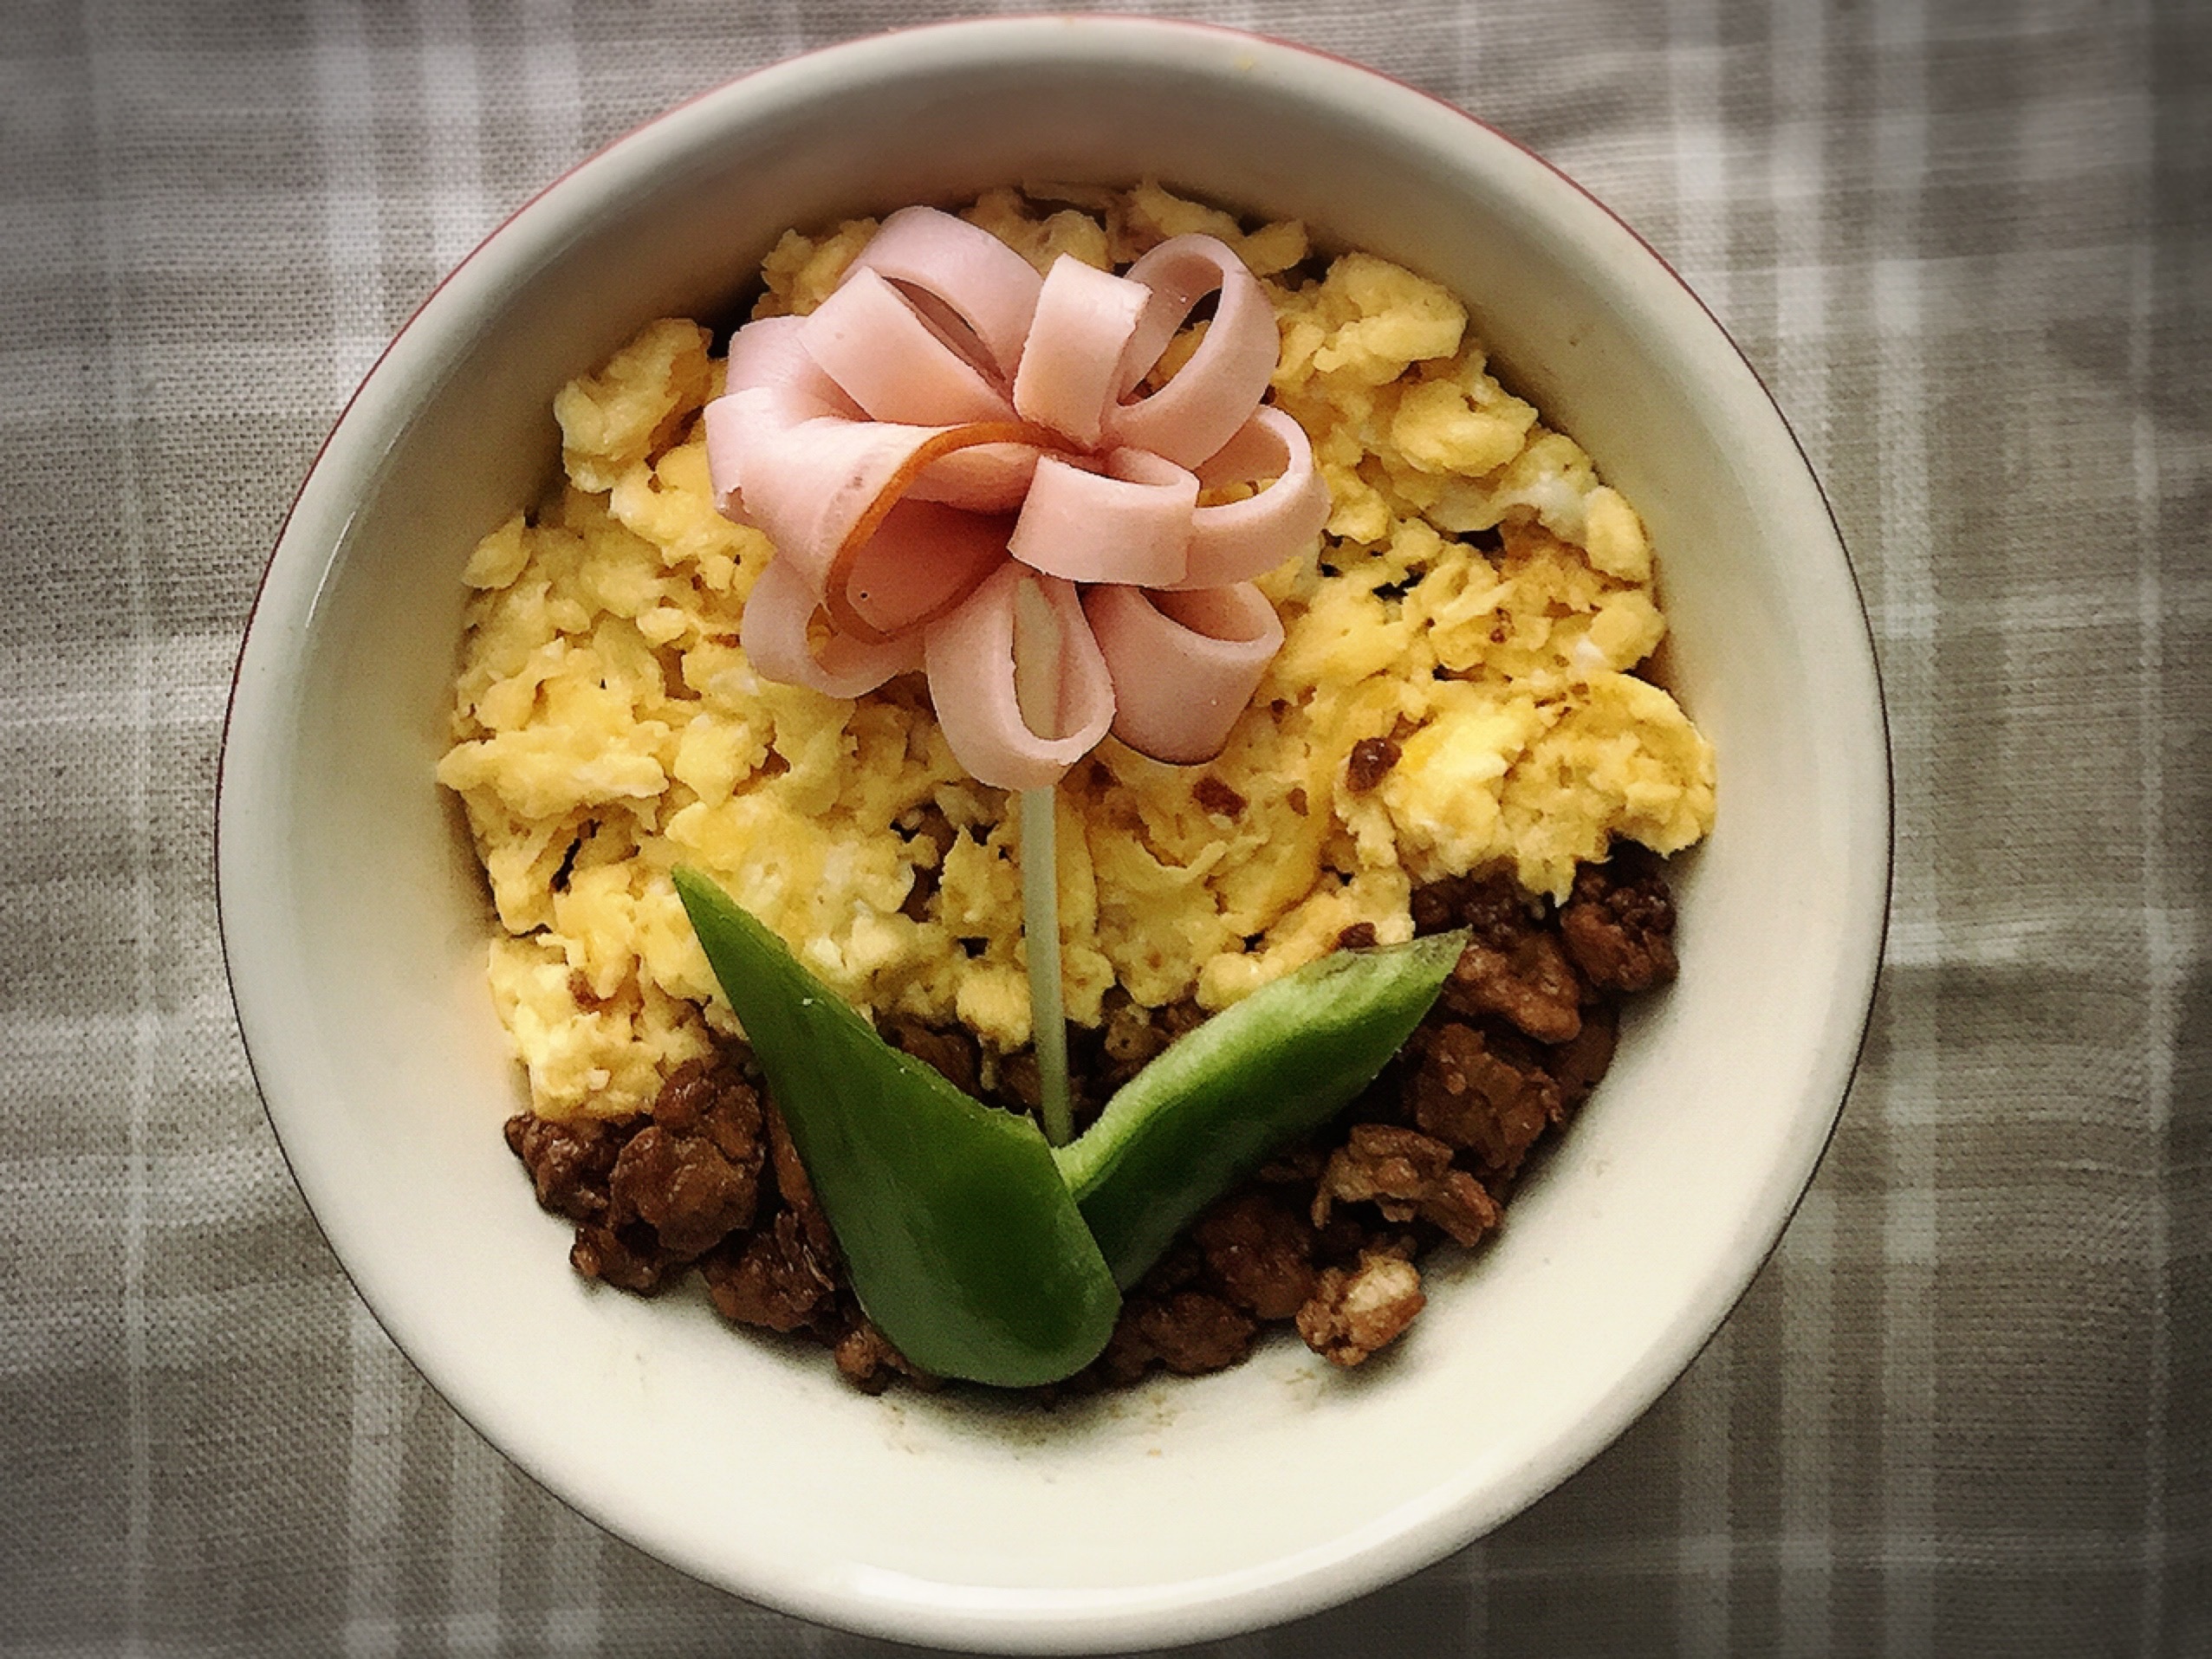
960	472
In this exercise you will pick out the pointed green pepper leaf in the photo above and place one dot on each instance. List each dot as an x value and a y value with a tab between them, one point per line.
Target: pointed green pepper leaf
1249	1081
962	1242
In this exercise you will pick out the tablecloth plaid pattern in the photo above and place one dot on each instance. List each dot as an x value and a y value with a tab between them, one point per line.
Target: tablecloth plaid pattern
1967	1408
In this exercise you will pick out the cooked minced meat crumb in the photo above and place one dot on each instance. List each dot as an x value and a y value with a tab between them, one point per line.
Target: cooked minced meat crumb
1260	1251
1356	1310
1326	1238
1617	924
1405	1173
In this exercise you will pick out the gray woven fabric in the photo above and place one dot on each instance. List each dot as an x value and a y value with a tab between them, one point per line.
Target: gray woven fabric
1968	1406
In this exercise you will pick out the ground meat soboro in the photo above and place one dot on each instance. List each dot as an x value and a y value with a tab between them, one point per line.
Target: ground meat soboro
1326	1239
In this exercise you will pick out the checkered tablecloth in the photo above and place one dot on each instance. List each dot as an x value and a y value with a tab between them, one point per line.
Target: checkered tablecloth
1967	1409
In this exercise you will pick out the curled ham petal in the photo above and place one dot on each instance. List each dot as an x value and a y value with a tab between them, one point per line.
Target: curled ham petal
947	446
820	485
1212	395
969	657
1071	368
923	560
725	442
966	269
1183	665
765	357
1237	541
1129	524
893	361
779	615
990	478
770	353
809	478
740	425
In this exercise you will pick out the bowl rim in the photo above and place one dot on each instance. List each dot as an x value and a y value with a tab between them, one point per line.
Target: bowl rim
1418	1533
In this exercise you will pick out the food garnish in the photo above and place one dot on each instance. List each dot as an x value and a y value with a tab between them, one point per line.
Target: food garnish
949	459
963	1245
974	1247
948	430
1224	1097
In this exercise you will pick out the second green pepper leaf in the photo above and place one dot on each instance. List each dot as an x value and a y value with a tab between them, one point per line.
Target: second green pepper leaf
1252	1078
963	1243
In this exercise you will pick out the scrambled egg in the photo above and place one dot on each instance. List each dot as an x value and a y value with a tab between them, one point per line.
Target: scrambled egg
1478	597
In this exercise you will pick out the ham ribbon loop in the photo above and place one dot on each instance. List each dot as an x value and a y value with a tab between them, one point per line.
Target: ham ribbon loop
950	441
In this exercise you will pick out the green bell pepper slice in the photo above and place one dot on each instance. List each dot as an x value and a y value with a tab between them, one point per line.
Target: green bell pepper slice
980	1251
963	1243
1222	1098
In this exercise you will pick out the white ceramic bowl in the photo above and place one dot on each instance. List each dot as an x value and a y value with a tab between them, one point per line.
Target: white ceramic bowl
355	920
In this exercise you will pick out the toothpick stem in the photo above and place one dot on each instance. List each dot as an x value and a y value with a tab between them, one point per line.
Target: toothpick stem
1037	652
1040	930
